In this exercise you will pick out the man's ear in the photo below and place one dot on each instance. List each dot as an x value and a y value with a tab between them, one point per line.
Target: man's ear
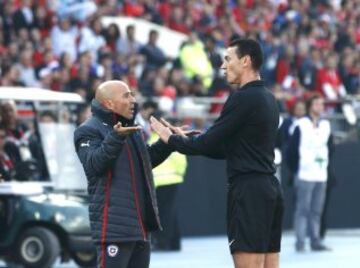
246	61
108	104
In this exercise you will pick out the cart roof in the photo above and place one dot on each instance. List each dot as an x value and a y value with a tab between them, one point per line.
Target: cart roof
38	94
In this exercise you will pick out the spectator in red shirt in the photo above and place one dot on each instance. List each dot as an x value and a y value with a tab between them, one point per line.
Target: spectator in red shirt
329	82
176	21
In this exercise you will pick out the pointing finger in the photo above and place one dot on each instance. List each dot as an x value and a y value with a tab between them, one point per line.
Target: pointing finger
184	127
164	122
133	129
153	119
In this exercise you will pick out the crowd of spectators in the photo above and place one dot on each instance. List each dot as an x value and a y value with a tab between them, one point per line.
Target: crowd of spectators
309	45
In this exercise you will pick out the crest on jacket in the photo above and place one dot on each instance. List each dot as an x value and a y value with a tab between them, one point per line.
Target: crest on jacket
112	250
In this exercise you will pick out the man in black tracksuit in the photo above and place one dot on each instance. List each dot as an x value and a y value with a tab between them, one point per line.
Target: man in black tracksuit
117	162
244	135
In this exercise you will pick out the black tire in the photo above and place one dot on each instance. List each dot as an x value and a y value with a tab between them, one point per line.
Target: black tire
38	247
85	259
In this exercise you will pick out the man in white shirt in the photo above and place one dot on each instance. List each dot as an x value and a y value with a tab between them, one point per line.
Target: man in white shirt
91	39
27	70
63	37
308	159
128	46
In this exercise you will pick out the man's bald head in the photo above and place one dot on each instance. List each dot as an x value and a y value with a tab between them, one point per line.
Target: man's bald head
116	96
108	89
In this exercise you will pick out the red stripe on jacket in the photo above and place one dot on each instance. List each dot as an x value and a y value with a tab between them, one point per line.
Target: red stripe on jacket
105	218
133	184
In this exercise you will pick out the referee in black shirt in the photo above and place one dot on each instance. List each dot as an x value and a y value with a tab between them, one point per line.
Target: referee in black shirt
244	135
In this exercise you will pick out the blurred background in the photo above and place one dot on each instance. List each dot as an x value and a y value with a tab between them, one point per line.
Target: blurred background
54	53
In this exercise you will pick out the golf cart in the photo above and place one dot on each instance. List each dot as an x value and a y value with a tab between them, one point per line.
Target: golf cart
48	218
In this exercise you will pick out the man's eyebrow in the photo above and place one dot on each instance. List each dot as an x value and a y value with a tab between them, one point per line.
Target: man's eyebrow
127	93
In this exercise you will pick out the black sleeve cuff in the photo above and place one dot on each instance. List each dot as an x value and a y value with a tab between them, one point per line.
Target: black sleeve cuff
172	141
165	147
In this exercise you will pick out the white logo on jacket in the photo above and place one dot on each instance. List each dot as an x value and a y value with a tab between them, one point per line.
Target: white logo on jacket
112	250
85	144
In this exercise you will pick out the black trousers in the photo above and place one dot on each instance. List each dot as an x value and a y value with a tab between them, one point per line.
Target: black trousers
169	238
124	255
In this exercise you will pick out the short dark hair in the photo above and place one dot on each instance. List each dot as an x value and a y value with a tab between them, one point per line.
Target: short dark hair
149	104
153	31
251	48
310	101
48	114
130	27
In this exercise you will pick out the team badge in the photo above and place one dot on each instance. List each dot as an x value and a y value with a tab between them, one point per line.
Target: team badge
112	250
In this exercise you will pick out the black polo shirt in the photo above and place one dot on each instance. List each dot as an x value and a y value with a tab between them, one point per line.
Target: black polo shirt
244	134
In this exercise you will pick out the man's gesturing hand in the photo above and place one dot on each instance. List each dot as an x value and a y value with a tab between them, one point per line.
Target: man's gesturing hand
163	131
124	131
180	130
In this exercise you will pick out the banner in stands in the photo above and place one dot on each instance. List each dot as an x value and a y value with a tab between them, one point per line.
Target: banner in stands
169	40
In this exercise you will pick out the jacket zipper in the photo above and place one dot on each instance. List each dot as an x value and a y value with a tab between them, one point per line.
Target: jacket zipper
132	171
147	179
